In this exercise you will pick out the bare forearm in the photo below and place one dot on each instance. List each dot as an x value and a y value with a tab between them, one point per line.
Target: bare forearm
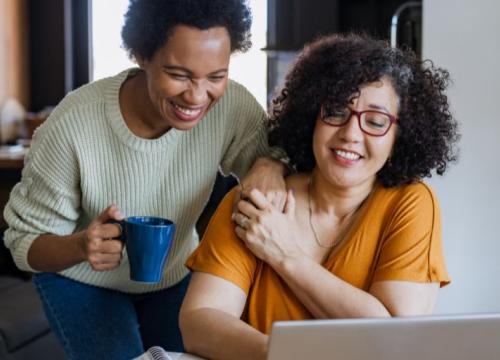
324	294
214	334
54	253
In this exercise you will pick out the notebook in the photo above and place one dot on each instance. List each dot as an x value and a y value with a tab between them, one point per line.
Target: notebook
450	337
158	353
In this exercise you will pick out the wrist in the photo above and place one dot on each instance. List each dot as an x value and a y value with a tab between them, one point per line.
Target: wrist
271	163
289	263
281	159
81	246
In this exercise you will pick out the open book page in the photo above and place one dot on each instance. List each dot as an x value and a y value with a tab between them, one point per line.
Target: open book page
157	353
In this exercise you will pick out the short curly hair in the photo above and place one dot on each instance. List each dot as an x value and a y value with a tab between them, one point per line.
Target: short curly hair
148	23
330	71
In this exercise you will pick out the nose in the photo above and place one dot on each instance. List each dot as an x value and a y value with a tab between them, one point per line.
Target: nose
351	131
196	93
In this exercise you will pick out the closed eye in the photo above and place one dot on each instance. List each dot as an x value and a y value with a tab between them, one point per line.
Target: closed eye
177	76
375	123
217	78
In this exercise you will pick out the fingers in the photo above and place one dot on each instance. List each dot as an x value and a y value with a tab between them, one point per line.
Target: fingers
290	203
257	198
105	259
245	207
241	233
237	197
111	247
278	200
104	254
105	262
105	231
240	220
99	247
102	250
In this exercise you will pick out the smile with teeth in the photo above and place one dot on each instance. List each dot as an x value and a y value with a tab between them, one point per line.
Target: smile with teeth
187	111
347	154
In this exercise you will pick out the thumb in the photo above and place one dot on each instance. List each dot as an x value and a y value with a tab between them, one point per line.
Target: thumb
290	202
110	213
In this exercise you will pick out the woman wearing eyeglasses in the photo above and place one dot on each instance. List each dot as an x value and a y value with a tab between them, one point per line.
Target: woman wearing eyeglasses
360	235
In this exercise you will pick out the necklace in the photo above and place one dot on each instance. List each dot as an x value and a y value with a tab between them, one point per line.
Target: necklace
341	232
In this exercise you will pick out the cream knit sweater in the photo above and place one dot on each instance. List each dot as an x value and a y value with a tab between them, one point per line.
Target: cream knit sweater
84	158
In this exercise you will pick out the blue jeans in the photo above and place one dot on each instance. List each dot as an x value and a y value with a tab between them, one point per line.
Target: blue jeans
98	323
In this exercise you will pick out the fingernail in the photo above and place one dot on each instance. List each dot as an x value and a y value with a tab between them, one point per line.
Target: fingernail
119	215
233	215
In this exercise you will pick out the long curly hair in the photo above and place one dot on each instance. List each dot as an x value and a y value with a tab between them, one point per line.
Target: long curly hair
148	23
330	71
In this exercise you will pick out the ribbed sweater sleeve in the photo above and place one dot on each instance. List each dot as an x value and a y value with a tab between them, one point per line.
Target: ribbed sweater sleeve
84	158
46	199
248	123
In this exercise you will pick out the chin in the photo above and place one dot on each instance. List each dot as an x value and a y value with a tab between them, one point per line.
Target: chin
185	126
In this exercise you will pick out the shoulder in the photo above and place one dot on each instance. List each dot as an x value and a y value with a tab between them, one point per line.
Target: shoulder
88	98
238	98
221	220
404	205
236	89
82	107
416	194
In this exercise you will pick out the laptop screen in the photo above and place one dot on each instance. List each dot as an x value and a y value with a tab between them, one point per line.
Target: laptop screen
450	337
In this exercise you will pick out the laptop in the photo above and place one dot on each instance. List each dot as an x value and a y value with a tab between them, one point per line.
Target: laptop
448	337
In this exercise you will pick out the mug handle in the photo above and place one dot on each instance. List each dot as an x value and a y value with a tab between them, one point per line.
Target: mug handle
121	224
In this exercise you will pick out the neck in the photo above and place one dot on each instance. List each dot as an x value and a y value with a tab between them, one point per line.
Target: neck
339	202
138	110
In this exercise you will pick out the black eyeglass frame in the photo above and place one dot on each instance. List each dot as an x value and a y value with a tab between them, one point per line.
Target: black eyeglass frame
392	119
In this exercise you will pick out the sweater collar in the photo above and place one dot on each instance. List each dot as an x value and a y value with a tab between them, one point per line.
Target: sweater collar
120	128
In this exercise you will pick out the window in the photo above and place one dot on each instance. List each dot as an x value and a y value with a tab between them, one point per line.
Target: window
109	57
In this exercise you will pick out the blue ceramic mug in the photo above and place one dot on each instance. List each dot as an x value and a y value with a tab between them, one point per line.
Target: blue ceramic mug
148	240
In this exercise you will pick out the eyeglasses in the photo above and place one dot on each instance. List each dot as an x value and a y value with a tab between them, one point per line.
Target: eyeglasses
371	122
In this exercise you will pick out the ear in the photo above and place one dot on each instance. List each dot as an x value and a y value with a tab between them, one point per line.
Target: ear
140	61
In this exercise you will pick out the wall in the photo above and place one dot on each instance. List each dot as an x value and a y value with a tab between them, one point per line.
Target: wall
14	51
462	36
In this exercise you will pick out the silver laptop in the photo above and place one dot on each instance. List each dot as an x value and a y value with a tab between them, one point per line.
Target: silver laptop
449	337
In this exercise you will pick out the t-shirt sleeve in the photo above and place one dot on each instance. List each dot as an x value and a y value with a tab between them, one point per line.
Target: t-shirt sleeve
221	252
412	248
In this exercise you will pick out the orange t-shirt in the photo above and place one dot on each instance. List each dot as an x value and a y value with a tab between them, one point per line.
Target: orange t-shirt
397	236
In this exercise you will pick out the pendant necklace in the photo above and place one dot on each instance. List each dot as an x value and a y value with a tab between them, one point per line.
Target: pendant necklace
342	233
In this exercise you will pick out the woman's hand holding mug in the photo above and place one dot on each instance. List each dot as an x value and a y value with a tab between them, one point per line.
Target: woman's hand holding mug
100	243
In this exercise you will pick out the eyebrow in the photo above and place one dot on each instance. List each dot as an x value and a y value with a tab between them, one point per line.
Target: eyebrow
183	69
379	107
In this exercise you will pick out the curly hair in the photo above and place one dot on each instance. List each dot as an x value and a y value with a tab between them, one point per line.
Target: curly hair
330	72
148	23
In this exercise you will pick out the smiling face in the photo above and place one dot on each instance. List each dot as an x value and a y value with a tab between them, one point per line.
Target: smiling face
187	76
347	157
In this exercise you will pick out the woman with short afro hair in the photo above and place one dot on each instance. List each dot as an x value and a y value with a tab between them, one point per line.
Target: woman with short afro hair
148	141
360	234
331	71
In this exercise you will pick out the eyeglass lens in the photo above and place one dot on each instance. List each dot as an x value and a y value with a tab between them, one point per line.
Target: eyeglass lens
371	122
